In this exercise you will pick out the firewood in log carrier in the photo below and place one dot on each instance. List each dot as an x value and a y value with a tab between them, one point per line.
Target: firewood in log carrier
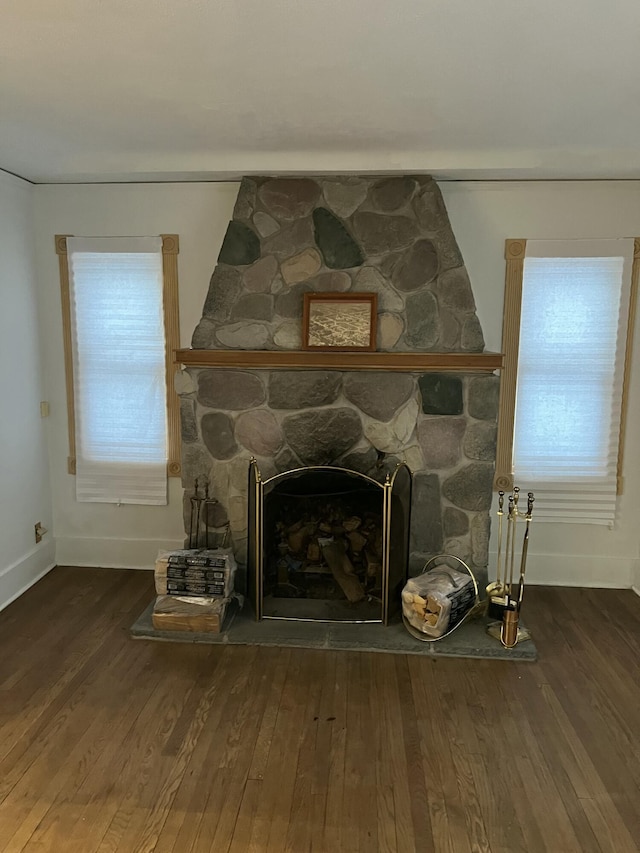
433	606
419	605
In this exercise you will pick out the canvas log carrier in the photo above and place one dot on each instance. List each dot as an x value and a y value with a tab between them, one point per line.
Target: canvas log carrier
435	602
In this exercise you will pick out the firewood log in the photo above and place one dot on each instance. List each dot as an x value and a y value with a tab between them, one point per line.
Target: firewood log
357	540
432	605
298	539
313	552
283	571
342	570
374	566
375	543
352	523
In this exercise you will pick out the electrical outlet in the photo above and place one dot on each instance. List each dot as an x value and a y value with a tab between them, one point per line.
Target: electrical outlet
44	409
39	531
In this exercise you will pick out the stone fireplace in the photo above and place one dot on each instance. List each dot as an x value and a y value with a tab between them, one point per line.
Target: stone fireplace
428	397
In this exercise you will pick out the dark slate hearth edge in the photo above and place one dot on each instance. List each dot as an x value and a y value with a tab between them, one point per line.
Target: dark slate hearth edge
469	641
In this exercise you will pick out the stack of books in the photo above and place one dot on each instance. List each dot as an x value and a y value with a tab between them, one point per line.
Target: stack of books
193	589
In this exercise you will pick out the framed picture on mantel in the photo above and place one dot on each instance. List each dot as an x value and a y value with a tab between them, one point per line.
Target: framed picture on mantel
339	321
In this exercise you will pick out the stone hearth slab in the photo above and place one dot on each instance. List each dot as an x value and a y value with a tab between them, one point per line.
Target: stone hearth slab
469	641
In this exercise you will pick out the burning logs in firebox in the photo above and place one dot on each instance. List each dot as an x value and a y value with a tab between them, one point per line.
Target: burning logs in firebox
330	542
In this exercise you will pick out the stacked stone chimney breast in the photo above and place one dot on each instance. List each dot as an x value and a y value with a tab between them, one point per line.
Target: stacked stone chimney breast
389	235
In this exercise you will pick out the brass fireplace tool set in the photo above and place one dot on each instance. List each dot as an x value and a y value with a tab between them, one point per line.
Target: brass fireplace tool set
505	602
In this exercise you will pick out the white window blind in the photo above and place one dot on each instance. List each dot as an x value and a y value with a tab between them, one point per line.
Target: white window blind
575	304
116	289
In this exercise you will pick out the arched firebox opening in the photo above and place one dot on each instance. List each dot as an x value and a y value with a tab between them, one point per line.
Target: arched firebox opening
327	544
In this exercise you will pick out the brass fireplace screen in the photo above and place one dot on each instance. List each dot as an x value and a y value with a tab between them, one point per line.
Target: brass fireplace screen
328	544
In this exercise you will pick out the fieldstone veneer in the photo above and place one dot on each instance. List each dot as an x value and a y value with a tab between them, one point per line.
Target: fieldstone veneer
392	235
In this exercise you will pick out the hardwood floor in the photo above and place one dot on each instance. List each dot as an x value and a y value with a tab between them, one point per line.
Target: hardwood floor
109	744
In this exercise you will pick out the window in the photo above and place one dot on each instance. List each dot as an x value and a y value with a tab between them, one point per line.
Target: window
568	323
120	324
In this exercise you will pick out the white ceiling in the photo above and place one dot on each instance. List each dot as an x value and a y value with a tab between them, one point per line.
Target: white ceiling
107	90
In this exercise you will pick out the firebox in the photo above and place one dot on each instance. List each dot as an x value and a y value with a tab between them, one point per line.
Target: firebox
327	544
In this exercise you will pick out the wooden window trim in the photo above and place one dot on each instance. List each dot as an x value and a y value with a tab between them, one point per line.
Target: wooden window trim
171	311
515	251
626	376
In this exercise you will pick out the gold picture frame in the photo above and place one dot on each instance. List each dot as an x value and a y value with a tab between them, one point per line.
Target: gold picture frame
340	322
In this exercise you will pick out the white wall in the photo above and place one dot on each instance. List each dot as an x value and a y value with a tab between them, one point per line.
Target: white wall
483	216
105	534
25	496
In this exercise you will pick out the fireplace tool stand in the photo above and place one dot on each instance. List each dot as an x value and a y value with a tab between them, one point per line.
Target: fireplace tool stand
201	504
504	604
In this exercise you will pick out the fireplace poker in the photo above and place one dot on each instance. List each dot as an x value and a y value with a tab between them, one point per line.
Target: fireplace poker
525	547
514	514
499	583
496	589
206	503
509	627
200	510
194	502
508	549
198	514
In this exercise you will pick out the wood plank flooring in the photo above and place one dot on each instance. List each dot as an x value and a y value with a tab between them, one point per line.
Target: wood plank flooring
109	745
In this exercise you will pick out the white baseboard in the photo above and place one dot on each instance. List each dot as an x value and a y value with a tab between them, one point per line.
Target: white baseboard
112	553
575	570
542	569
18	577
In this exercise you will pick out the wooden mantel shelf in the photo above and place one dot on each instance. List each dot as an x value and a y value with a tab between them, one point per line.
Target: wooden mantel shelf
407	362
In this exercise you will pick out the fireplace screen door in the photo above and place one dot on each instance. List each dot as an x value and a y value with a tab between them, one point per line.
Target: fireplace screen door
327	544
